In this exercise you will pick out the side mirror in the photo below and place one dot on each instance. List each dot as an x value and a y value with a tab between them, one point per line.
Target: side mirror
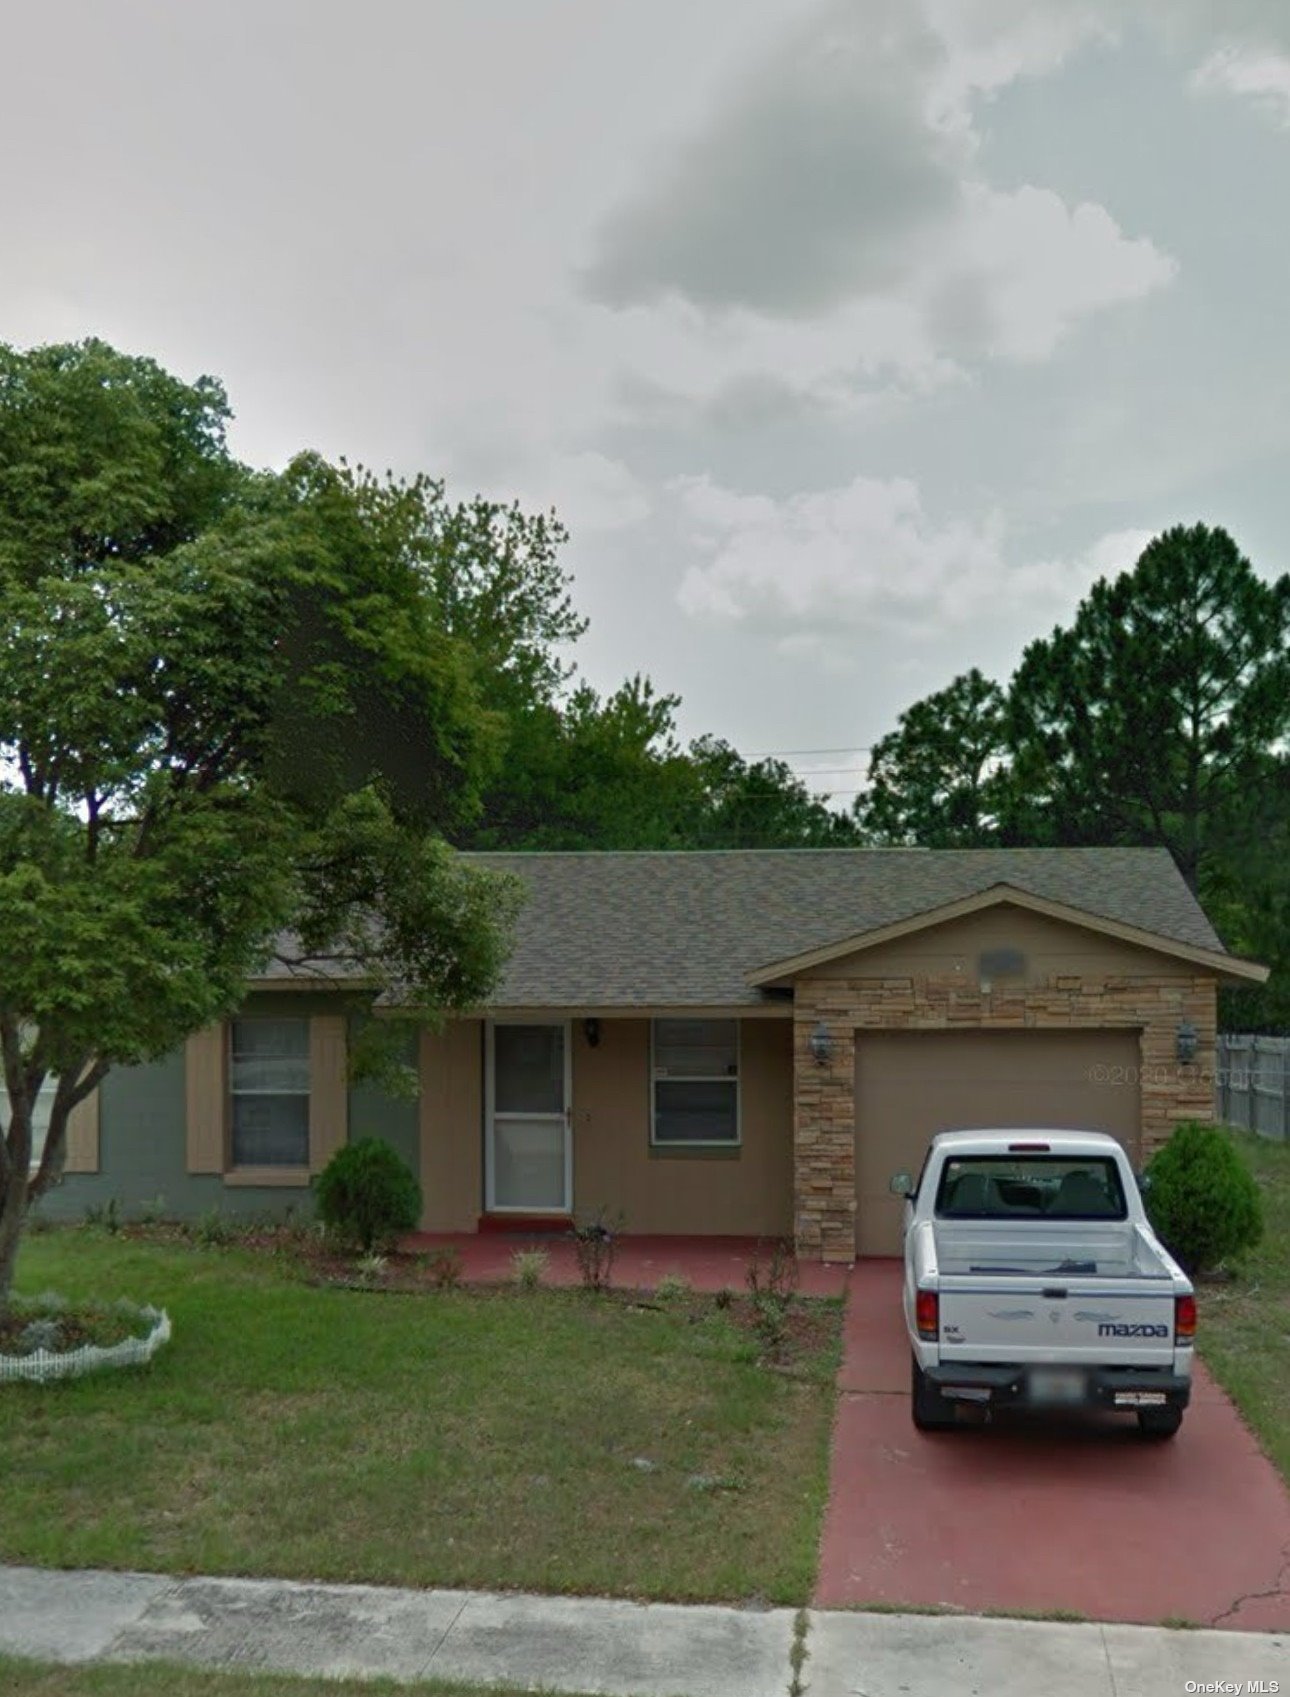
901	1185
1144	1183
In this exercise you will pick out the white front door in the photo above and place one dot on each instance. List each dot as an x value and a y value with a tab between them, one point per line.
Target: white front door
528	1161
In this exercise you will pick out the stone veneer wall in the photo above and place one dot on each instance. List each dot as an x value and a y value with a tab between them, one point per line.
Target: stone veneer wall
824	1201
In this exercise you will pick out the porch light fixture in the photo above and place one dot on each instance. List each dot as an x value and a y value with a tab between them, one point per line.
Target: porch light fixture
821	1045
591	1031
1185	1042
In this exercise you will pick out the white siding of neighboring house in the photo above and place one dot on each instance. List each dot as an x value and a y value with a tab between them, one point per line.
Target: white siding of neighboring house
39	1119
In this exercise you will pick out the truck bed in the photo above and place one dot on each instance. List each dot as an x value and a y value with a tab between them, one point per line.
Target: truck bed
1116	1251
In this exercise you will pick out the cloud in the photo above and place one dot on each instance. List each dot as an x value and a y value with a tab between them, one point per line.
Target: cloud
819	568
847	557
1014	274
1022	268
1259	74
828	238
816	182
1115	552
592	494
990	44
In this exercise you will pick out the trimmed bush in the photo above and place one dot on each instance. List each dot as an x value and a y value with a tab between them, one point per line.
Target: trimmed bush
366	1195
1203	1200
529	1268
673	1287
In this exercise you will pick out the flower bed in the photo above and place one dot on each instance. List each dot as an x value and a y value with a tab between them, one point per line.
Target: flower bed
46	1338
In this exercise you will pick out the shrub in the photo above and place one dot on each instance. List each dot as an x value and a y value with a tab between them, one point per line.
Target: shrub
674	1287
528	1267
594	1243
772	1284
213	1231
443	1268
152	1212
366	1195
40	1334
1202	1199
105	1215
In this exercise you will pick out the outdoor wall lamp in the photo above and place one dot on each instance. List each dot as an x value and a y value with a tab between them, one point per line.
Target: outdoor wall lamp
821	1045
591	1031
1185	1042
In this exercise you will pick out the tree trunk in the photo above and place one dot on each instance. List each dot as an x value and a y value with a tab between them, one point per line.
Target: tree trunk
19	1186
13	1213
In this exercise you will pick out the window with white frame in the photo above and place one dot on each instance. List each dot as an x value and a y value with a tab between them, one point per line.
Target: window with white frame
269	1091
695	1083
39	1116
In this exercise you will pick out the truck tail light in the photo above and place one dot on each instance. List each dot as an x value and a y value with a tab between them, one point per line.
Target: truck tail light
1030	1148
1184	1319
927	1315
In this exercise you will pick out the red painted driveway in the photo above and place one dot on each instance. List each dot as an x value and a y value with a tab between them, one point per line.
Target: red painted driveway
1025	1514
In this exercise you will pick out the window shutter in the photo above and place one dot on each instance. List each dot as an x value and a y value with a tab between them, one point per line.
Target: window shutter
206	1098
328	1088
82	1155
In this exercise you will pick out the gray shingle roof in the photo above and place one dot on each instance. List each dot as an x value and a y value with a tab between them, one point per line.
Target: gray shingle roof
689	928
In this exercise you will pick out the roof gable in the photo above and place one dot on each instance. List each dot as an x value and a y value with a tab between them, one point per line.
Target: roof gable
781	972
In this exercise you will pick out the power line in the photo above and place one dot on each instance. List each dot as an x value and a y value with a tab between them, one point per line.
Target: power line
785	753
767	800
830	771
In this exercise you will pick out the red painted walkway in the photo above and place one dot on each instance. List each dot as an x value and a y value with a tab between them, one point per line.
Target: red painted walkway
709	1263
1026	1515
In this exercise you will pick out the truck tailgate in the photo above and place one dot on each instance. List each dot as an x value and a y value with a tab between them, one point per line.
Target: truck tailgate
1090	1321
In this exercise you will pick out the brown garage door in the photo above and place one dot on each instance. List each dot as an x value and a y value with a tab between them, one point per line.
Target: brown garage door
912	1084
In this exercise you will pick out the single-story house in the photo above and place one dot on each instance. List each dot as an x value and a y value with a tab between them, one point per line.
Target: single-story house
747	1042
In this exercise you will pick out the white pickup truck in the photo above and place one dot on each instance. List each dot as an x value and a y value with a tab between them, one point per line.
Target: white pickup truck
1033	1277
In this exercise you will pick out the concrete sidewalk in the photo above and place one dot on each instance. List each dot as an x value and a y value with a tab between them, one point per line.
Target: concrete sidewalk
594	1645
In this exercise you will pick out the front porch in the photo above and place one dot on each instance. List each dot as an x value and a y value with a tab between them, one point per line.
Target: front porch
640	1262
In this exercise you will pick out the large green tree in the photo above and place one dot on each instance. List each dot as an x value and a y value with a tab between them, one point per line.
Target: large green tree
231	707
742	803
1144	719
1245	885
939	780
593	772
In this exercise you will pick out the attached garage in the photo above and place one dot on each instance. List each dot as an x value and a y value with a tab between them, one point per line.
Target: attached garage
911	1084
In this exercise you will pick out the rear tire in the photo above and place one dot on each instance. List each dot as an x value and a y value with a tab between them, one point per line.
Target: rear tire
930	1410
1159	1422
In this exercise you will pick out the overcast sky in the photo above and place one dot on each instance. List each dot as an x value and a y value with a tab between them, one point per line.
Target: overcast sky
851	340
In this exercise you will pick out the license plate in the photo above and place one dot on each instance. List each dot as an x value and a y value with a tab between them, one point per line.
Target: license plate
1056	1385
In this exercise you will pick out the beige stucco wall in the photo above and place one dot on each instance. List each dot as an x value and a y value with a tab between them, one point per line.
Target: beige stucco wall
748	1191
452	1115
952	951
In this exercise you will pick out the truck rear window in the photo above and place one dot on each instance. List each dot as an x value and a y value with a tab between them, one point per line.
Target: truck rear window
1020	1187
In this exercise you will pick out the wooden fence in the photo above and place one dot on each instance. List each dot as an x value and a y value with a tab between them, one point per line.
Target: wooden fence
1253	1084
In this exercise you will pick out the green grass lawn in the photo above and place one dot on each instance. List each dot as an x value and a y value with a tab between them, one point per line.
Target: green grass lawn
549	1441
167	1679
1244	1331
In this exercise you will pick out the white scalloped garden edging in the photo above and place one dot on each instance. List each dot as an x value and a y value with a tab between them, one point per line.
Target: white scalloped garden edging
42	1365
